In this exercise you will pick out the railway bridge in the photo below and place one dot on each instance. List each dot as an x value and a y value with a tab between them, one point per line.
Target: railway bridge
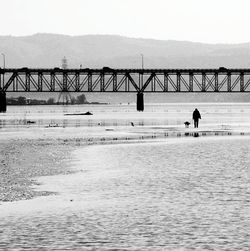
106	79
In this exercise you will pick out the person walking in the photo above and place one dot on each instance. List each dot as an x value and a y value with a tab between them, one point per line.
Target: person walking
196	117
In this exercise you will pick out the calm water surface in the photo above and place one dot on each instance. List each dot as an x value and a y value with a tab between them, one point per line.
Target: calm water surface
121	115
175	194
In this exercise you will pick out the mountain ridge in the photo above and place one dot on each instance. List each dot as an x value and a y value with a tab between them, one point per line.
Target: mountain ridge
96	51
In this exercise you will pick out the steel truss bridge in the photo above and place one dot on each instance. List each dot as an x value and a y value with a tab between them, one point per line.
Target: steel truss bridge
123	80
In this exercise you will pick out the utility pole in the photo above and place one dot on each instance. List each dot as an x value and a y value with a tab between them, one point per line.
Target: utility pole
3	65
142	61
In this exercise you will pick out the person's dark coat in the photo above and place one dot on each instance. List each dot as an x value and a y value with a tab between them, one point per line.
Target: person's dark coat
196	115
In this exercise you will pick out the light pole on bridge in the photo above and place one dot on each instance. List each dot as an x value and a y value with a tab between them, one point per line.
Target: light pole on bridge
142	61
3	65
3	60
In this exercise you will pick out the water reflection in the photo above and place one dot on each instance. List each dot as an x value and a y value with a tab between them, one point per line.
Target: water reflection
2	123
196	134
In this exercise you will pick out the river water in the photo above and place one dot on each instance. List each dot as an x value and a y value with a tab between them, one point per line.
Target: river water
170	193
166	114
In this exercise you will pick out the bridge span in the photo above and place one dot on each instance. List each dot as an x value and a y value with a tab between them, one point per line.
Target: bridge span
122	80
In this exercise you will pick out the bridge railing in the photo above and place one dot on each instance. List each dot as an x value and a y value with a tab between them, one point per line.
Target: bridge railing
124	80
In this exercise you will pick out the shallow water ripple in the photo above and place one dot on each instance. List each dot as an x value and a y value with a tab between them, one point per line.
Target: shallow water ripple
185	195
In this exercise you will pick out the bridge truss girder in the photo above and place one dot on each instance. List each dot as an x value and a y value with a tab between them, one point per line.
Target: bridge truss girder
124	80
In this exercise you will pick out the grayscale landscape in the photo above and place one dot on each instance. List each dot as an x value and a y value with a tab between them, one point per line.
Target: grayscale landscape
124	125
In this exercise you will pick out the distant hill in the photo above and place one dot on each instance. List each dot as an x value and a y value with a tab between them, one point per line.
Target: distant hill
47	50
96	51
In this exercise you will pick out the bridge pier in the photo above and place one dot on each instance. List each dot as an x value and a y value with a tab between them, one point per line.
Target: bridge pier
140	102
3	106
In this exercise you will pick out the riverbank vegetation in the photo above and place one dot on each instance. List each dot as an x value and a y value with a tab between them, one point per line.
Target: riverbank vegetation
63	99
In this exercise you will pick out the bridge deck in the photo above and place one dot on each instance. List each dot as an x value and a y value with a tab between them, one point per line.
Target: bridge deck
124	80
132	70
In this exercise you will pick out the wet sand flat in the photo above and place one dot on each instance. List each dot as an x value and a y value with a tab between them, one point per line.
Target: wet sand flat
23	160
28	153
181	193
108	185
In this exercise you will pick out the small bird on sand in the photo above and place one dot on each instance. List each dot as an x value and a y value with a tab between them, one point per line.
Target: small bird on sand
132	123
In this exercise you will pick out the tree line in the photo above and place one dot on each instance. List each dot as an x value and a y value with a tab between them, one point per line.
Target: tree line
81	99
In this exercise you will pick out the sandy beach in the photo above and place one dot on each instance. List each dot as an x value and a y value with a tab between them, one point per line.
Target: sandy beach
23	160
104	198
34	152
108	184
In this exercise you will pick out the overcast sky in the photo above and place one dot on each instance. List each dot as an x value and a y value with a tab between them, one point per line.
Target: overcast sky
212	21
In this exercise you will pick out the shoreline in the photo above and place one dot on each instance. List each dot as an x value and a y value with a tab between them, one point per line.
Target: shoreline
52	155
23	161
46	194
